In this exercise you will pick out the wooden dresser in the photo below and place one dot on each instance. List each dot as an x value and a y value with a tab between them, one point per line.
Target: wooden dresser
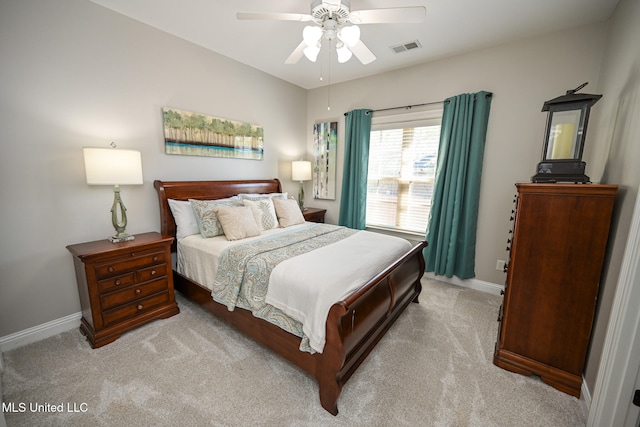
123	285
557	249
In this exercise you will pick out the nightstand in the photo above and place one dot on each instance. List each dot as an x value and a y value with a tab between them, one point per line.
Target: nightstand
123	285
314	214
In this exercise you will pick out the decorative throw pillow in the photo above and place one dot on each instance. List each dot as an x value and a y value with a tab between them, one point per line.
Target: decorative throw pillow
208	223
184	217
288	212
263	212
237	222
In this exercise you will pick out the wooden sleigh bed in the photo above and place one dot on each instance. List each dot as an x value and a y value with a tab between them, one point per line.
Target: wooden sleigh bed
354	326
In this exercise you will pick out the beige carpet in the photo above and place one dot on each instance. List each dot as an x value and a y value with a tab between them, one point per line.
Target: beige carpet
434	368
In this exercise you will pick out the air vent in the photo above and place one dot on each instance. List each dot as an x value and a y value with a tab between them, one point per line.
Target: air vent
406	46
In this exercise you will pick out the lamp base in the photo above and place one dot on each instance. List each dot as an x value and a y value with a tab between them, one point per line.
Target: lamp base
301	196
118	239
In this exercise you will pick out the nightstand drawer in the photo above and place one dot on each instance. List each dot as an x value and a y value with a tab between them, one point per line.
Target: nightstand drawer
132	293
117	282
120	265
151	273
134	309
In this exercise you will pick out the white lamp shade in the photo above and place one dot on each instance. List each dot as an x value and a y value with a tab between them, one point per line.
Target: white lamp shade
350	35
301	170
344	54
111	166
311	35
311	52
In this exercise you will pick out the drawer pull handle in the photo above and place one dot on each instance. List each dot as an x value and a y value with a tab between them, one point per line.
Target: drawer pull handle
140	307
118	282
138	291
153	272
111	269
155	258
133	254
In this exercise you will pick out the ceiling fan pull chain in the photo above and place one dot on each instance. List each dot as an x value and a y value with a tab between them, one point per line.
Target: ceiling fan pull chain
329	78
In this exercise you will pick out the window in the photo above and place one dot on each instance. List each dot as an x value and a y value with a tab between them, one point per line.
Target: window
403	154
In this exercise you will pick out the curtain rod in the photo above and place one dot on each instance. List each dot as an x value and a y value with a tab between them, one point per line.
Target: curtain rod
408	107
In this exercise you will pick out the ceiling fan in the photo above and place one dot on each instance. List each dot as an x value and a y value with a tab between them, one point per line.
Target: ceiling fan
333	20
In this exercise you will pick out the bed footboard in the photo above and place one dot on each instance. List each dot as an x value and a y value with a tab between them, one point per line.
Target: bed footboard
355	325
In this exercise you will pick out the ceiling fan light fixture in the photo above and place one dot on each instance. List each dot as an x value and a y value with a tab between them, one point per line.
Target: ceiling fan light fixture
350	35
311	52
344	54
311	35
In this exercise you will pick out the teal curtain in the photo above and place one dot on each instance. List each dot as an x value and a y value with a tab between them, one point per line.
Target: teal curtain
451	231
353	200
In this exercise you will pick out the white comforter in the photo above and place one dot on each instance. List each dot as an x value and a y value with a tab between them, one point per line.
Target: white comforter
305	287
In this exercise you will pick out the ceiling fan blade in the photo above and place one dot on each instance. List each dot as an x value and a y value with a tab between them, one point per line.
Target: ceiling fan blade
395	15
297	53
362	52
274	16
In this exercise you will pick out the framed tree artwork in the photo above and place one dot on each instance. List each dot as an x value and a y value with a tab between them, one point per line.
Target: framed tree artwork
325	146
196	134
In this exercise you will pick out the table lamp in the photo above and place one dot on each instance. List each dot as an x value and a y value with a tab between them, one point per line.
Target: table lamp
567	121
111	166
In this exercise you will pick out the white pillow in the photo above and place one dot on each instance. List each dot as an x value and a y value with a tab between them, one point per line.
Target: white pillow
184	217
237	222
288	212
257	196
263	212
208	223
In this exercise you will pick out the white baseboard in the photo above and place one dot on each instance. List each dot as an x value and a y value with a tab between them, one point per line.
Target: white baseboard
40	332
585	398
478	285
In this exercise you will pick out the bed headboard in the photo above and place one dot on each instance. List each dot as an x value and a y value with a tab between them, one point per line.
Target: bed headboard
204	190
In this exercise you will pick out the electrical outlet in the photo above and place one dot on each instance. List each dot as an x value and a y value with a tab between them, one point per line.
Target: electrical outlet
500	265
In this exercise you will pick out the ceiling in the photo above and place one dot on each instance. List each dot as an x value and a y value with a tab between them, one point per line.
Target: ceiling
451	27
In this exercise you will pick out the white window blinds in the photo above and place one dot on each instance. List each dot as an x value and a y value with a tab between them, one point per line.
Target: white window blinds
403	154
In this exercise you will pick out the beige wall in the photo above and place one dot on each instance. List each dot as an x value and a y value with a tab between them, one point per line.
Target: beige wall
521	75
615	154
75	74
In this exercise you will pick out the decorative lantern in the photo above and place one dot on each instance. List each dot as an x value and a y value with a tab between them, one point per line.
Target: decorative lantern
564	137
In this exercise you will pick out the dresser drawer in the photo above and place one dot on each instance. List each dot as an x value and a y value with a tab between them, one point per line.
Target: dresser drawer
119	265
132	293
134	309
117	282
